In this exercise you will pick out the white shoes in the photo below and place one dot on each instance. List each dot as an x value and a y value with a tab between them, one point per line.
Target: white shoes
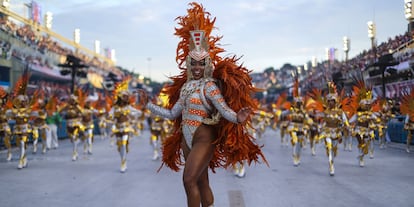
9	156
331	169
313	151
242	172
22	163
239	171
123	166
156	155
361	161
371	155
296	161
74	156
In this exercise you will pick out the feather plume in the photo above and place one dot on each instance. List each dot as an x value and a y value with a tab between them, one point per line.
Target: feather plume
407	104
360	91
318	103
20	86
51	105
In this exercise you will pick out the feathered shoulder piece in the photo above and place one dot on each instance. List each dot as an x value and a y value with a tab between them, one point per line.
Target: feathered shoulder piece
361	93
281	102
99	103
82	96
407	104
4	97
51	105
20	86
37	101
316	100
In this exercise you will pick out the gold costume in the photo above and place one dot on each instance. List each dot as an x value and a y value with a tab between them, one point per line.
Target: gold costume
74	127
409	126
39	126
102	122
22	129
260	120
279	116
5	130
364	120
299	124
121	114
20	113
407	108
87	122
384	116
313	131
156	133
334	121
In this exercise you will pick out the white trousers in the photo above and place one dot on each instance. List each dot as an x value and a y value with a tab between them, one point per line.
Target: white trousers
51	137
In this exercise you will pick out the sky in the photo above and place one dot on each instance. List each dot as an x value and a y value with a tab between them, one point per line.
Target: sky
264	33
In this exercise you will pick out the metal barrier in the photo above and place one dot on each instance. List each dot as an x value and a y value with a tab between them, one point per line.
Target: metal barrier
396	130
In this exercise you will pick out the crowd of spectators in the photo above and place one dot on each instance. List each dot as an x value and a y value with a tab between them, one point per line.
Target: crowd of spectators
45	44
354	66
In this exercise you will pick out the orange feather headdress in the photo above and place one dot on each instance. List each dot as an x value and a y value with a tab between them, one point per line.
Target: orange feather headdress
194	31
20	87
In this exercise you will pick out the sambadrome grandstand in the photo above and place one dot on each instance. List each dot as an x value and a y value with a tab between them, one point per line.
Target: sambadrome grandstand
25	43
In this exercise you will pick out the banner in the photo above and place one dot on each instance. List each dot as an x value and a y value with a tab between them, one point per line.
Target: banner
394	90
36	12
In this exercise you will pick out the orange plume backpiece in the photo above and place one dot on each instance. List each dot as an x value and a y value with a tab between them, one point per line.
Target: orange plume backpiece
3	93
316	100
51	105
295	91
407	104
360	92
20	86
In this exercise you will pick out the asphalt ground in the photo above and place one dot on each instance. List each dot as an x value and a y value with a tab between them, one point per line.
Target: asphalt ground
53	179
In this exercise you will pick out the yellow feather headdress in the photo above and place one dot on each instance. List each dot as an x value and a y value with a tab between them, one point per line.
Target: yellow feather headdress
121	87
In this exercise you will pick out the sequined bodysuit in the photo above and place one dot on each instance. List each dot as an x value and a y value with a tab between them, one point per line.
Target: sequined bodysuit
196	107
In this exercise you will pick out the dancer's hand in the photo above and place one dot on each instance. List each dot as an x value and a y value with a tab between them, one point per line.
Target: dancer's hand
243	114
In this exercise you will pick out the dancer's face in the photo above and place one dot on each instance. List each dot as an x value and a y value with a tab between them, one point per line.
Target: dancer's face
331	103
197	68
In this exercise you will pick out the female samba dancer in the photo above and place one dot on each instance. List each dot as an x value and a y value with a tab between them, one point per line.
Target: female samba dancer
197	105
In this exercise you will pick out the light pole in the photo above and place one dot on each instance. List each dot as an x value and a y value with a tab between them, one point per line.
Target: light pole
149	67
372	32
347	45
73	67
408	11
